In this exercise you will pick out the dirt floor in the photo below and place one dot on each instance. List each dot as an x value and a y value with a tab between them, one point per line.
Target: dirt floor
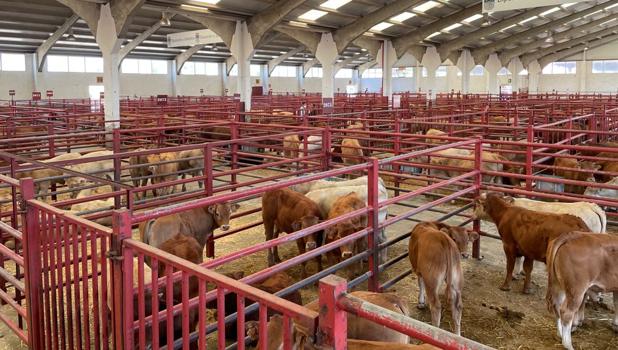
503	320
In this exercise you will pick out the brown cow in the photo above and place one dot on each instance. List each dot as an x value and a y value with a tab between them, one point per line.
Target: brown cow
577	261
342	206
524	232
291	143
198	223
434	250
351	152
139	169
284	210
582	171
164	168
192	163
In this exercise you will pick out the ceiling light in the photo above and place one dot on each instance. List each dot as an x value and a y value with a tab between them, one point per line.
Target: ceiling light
451	27
381	26
590	14
426	6
312	15
298	24
402	17
551	10
569	4
334	4
528	19
194	8
215	48
509	27
432	35
165	19
473	18
210	2
611	6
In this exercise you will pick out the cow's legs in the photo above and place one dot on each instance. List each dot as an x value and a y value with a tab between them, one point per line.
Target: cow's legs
269	233
421	293
300	243
615	322
519	267
510	264
276	248
456	306
528	265
568	312
433	289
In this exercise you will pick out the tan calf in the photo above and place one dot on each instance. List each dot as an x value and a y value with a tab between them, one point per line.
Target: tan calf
581	172
164	168
351	152
342	206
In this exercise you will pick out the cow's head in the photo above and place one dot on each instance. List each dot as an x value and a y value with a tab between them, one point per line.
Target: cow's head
303	223
344	229
461	236
221	214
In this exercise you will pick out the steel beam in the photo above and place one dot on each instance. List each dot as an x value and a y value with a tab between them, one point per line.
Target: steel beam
277	61
308	65
41	51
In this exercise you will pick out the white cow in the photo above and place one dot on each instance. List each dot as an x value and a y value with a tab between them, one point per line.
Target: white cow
603	192
307	187
96	168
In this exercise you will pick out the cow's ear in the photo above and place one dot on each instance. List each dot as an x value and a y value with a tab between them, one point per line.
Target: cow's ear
235	207
509	199
212	209
296	225
473	236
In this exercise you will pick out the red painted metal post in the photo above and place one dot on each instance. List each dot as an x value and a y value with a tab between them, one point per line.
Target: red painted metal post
326	145
478	180
333	322
117	166
32	267
235	136
397	151
121	261
208	184
372	237
529	158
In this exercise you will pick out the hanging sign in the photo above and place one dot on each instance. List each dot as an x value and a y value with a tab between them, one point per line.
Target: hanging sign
161	100
191	38
506	5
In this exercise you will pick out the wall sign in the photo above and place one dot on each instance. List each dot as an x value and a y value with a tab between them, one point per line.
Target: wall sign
11	92
36	95
99	80
327	104
161	100
505	5
49	93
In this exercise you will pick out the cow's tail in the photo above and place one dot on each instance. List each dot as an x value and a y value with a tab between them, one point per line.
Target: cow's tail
147	228
601	214
552	251
453	270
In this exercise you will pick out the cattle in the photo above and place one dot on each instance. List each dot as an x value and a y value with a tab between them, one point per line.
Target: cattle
603	192
326	197
218	133
164	168
610	167
94	206
578	261
314	143
524	232
351	152
490	162
434	250
342	206
582	171
514	153
42	187
284	210
271	285
291	144
596	153
99	168
139	169
306	187
198	223
191	162
301	341
435	132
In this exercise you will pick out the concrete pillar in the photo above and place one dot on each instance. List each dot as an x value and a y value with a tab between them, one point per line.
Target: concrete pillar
534	74
224	78
386	59
515	66
492	66
582	72
108	41
173	77
431	61
264	77
242	49
300	78
327	54
34	71
465	63
417	76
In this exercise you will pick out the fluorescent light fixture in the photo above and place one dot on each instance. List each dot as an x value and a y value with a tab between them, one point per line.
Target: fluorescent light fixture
509	27
402	17
381	26
432	35
194	8
551	10
426	6
611	6
312	15
298	24
567	5
528	19
210	2
590	14
472	18
451	27
334	4
604	23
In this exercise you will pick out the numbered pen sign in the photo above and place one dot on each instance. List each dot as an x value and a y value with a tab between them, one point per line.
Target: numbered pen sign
11	92
50	93
328	105
101	95
161	100
36	95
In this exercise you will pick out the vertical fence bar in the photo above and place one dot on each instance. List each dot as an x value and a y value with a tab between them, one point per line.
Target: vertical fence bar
117	166
397	151
209	187
333	322
326	145
478	180
529	158
122	283
372	237
234	147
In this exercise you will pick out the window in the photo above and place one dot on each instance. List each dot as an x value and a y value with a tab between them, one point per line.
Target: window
424	72
255	70
234	71
560	68
284	71
523	72
200	68
610	66
211	69
441	71
477	71
187	69
94	64
135	66
12	62
77	64
403	72
57	63
373	73
503	71
345	73
314	72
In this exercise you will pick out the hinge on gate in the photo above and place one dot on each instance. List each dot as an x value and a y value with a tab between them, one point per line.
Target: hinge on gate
114	255
22	205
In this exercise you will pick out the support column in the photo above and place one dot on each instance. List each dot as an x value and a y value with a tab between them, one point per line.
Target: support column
534	73
465	63
417	76
242	50
582	72
327	54
174	78
386	59
300	78
108	41
515	66
492	66
34	71
264	76
431	61
224	78
356	79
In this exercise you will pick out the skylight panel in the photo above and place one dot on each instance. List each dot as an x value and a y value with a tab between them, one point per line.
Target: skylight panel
509	27
312	15
472	18
381	26
528	19
567	5
432	35
210	2
604	23
590	14
426	6
403	17
451	27
334	4
551	10
298	24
